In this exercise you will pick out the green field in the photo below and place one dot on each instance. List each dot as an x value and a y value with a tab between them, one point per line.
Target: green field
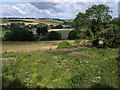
63	32
53	68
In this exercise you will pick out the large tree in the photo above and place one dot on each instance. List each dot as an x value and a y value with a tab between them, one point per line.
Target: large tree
94	20
99	15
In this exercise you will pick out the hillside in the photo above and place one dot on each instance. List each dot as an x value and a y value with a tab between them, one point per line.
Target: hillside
6	21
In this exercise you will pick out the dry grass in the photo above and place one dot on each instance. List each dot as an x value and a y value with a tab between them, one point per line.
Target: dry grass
28	46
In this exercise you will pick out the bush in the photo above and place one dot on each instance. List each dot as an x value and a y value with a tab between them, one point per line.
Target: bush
65	44
111	38
54	35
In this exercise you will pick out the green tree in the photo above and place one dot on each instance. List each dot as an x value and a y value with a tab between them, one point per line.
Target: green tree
81	21
43	30
58	27
54	35
99	15
14	26
18	33
93	19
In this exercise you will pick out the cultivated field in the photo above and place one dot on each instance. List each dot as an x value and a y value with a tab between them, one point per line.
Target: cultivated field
31	21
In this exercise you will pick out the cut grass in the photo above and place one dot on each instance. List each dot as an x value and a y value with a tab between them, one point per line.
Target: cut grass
59	69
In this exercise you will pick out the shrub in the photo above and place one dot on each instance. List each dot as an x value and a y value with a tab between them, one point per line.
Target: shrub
54	35
111	38
65	44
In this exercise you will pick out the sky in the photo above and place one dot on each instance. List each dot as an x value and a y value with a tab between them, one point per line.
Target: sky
65	9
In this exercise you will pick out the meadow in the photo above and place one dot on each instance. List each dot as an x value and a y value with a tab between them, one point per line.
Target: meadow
28	64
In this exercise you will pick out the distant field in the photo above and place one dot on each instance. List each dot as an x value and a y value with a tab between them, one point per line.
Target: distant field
30	21
63	32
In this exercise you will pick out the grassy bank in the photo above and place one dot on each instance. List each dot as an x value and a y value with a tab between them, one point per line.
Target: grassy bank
61	69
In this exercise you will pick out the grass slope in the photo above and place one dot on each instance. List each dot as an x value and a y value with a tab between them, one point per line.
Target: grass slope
60	69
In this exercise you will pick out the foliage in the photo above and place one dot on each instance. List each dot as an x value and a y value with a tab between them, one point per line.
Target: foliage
18	33
79	34
43	30
54	35
65	44
73	34
14	26
58	27
52	27
93	18
81	21
99	24
111	34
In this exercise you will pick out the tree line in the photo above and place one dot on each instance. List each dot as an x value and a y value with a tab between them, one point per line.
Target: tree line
22	32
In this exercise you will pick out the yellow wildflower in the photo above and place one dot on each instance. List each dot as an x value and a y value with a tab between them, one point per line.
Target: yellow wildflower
56	80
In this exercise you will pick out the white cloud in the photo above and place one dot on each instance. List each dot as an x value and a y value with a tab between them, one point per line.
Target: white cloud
50	10
19	10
